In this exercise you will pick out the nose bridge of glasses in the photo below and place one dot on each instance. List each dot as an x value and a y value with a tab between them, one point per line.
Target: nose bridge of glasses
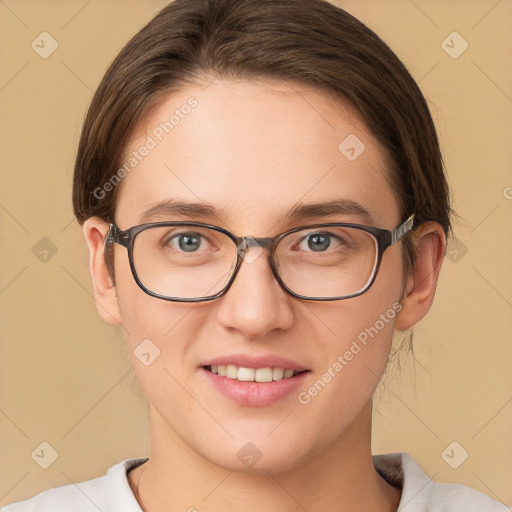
251	241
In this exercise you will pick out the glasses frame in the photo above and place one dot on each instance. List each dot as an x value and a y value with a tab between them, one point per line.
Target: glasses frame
385	238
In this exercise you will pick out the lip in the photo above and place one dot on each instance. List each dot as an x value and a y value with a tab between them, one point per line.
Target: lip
264	361
254	394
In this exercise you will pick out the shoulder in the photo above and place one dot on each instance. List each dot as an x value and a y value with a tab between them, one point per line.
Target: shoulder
108	492
82	497
420	493
454	497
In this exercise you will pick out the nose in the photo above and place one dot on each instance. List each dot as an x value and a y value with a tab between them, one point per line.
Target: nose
255	304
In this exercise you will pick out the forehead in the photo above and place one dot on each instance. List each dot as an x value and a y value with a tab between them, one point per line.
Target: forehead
253	150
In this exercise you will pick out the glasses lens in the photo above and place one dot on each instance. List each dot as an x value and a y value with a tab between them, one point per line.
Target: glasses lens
327	261
183	261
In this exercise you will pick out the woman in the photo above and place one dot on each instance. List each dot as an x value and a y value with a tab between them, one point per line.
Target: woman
263	197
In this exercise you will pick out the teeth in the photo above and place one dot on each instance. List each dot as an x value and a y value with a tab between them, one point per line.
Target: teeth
243	374
262	375
231	371
277	373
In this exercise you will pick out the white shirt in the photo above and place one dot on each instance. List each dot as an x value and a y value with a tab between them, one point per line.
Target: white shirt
112	492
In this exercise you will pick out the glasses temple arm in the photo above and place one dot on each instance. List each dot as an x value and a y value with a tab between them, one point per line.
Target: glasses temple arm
400	231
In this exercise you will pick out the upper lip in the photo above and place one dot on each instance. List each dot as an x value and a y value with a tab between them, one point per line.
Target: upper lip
263	361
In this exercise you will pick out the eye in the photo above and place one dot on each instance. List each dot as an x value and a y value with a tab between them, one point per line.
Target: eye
321	241
187	242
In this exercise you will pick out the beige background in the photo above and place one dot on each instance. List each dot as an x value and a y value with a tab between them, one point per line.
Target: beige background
65	376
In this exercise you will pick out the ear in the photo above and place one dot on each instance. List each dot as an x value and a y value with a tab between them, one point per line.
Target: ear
430	245
105	296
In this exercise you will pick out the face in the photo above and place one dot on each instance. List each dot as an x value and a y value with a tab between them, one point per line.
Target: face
254	150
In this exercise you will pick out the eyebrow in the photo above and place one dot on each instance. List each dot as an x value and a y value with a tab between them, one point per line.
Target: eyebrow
298	214
341	206
170	207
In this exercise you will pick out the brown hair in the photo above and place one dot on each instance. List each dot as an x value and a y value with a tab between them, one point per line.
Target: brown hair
311	42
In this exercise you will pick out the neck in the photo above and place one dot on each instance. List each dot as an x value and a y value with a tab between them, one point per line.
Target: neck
341	478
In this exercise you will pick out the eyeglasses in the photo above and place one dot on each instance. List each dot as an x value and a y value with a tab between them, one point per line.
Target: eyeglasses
193	262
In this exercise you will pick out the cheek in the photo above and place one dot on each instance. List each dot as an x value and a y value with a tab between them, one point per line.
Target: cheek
160	327
157	347
159	336
343	387
361	333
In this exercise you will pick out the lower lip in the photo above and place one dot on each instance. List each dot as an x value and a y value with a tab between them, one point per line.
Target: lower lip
254	394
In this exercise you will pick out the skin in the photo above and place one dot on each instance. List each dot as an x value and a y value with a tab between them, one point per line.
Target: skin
256	149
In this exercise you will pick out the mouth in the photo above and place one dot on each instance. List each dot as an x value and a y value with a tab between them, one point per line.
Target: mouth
246	374
255	380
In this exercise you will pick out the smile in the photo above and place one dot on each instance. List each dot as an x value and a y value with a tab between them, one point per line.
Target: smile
245	374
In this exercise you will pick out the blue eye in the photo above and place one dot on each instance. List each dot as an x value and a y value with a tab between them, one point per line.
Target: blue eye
321	241
187	242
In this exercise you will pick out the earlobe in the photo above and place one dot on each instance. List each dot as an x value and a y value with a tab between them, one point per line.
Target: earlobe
105	294
430	247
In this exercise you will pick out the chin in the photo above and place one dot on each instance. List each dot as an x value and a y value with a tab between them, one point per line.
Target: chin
258	453
257	462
